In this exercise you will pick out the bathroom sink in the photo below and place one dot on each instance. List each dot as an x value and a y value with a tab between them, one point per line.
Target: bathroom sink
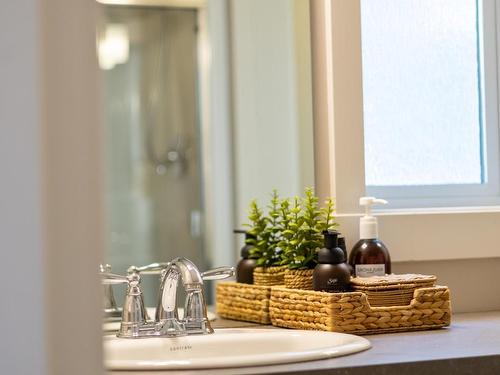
228	348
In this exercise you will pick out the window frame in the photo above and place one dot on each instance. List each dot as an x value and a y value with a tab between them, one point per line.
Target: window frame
418	234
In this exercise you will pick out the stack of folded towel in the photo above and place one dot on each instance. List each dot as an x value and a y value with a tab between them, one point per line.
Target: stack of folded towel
391	290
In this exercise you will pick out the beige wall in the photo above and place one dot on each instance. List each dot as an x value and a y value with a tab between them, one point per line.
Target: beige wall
72	190
50	227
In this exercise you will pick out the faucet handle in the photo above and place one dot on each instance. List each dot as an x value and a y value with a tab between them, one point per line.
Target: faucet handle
150	269
109	278
218	273
134	313
157	268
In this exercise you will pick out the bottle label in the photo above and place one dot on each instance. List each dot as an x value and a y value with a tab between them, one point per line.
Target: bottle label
367	270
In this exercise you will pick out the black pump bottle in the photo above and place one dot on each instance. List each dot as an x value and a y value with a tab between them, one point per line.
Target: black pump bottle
331	274
245	267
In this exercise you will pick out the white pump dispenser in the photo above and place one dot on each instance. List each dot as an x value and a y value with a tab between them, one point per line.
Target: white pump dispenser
368	225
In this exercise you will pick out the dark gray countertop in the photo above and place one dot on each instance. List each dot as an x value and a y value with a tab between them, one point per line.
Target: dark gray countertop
471	345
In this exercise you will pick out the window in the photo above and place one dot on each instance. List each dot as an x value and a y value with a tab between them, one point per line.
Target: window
429	140
431	231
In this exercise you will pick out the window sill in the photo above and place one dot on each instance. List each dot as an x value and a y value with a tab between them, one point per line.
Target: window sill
433	234
429	211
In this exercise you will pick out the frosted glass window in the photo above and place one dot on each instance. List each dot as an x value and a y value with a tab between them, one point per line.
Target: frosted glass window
421	92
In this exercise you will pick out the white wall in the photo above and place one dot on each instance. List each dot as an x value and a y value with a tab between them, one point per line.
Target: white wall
472	282
215	113
270	101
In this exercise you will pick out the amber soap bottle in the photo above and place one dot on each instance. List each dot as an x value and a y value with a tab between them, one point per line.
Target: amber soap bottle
369	256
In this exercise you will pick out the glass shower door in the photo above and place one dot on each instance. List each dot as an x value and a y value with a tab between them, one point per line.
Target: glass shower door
154	186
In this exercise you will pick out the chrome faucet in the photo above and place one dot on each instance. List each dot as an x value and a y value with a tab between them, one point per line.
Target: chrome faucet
111	311
135	323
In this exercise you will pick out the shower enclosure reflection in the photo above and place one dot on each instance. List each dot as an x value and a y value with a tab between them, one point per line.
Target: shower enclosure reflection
205	108
149	63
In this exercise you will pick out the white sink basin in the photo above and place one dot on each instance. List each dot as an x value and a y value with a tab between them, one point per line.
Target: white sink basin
228	348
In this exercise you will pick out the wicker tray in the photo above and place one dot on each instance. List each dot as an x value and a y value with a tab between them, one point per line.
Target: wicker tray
245	302
352	313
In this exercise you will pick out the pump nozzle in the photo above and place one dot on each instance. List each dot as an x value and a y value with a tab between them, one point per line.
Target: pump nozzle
368	227
368	202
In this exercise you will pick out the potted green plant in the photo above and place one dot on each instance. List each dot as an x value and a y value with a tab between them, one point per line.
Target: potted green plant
267	232
302	227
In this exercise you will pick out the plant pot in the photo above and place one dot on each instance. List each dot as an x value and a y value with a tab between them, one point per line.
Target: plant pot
299	279
269	276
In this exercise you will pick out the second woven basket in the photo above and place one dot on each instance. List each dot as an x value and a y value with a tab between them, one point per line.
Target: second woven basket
351	312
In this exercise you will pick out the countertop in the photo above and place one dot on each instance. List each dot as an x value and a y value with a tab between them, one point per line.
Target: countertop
471	345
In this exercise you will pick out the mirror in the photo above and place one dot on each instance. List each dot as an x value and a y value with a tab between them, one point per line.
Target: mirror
200	98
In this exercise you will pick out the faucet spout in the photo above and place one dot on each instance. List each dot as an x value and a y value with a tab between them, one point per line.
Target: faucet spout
190	275
195	313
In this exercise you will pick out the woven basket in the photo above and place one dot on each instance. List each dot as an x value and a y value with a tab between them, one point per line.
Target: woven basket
351	312
299	279
245	302
269	276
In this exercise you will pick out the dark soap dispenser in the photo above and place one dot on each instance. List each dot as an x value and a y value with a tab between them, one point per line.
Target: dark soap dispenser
331	274
245	267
